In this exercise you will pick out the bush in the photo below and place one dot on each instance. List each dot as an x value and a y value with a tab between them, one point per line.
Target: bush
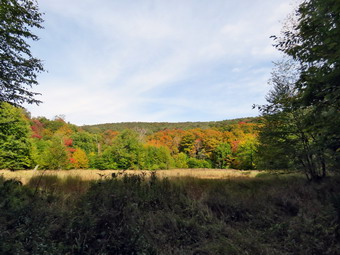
198	163
181	160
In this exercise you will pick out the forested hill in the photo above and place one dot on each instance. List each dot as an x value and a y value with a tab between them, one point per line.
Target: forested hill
152	127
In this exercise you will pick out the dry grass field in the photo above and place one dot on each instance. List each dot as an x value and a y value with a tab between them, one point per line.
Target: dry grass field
220	212
25	175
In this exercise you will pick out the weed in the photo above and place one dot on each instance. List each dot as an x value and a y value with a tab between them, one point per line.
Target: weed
146	214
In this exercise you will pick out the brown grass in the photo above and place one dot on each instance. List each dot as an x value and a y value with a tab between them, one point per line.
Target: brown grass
25	175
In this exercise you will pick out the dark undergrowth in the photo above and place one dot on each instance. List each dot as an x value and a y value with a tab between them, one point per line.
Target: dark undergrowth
133	215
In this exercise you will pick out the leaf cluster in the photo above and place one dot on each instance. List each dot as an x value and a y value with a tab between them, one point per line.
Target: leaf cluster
18	68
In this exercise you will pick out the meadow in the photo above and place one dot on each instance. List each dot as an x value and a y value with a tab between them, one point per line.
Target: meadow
193	209
91	174
270	213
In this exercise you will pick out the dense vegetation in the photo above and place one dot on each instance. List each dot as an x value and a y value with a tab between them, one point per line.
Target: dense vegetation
270	214
133	215
152	127
298	128
55	144
301	119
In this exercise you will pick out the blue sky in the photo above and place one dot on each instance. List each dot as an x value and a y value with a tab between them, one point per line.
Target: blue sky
166	60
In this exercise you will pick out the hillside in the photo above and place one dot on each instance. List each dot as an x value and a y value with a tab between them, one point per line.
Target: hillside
152	127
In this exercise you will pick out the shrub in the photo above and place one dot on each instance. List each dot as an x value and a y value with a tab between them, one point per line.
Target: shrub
181	160
198	163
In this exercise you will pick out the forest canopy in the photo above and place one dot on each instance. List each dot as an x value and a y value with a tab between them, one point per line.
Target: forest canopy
56	144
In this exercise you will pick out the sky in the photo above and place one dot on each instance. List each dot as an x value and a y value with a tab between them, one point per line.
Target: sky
156	61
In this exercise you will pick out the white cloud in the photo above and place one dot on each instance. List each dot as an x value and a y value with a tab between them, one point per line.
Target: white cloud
107	59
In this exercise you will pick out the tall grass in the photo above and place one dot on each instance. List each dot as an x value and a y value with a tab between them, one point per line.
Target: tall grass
53	184
87	175
139	214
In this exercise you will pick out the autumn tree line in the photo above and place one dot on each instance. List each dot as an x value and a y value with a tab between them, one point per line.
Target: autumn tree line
152	127
55	144
298	126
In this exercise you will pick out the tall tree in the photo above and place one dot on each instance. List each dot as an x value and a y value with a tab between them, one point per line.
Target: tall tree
125	151
15	146
80	159
277	139
56	156
18	68
288	138
304	115
222	156
314	43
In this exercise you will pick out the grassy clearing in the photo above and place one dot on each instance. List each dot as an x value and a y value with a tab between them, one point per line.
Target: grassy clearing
25	175
272	214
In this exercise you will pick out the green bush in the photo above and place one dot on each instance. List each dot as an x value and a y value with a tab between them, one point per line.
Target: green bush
181	160
198	163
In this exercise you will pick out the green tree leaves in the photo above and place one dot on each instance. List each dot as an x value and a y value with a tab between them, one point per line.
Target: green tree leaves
55	144
15	146
124	152
222	156
302	118
18	68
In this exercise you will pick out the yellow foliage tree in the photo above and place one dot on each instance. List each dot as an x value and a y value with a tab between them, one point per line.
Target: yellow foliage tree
80	159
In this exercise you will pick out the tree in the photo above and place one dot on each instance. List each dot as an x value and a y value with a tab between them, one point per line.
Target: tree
314	43
246	152
169	138
125	151
155	158
187	144
39	148
211	139
277	139
304	114
181	160
18	68
222	155
85	141
15	146
56	156
80	159
288	138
